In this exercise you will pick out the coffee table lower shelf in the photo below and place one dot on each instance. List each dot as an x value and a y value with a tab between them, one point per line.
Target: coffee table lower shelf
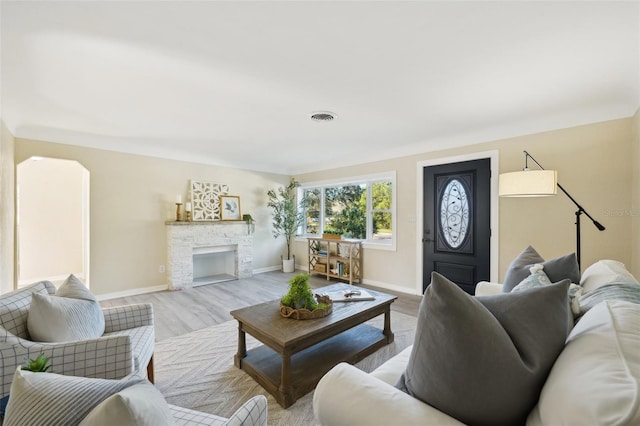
309	365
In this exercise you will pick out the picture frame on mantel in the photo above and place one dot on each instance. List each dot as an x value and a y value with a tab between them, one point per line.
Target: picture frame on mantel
230	207
205	199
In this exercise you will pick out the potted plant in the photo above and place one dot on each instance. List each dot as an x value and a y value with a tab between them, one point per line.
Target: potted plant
286	218
38	365
301	303
332	235
251	223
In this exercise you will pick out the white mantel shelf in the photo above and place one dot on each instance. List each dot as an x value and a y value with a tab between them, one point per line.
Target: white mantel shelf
185	237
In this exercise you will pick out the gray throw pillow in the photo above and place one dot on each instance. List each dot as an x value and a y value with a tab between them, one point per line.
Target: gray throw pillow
484	360
558	269
73	288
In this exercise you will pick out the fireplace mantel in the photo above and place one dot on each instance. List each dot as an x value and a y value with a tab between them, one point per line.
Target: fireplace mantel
184	237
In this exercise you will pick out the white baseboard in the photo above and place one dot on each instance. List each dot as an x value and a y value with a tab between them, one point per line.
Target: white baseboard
156	288
132	292
392	287
268	269
136	291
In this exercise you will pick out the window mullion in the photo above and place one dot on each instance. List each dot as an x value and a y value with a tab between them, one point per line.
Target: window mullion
369	211
322	204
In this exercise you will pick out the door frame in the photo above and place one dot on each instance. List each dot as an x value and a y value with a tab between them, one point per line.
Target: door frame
494	156
85	225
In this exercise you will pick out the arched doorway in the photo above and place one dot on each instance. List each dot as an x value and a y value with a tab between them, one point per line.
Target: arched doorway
52	220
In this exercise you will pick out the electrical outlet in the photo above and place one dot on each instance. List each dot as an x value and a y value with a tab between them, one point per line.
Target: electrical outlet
161	269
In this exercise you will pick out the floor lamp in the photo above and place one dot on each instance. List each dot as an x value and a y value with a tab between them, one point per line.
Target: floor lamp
540	183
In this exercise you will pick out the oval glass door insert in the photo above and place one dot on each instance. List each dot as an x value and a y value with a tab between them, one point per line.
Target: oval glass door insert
454	213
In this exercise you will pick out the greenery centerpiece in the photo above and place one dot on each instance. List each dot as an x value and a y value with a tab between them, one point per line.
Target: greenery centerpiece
287	218
301	303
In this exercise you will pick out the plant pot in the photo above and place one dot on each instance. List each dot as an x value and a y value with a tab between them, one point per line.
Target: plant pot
302	314
289	265
331	236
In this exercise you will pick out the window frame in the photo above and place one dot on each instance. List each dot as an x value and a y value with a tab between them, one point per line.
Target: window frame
368	180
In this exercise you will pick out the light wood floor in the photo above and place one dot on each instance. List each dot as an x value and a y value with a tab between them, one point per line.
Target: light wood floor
179	312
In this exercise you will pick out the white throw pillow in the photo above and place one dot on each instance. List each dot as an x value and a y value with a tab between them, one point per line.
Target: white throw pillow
138	405
595	379
605	272
76	316
54	399
537	279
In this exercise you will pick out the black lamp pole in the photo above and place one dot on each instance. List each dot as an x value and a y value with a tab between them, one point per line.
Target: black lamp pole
579	212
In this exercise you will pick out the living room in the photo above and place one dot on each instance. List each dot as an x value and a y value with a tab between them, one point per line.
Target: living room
592	140
595	161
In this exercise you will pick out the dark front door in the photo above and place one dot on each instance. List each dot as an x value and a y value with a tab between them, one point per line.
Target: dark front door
457	218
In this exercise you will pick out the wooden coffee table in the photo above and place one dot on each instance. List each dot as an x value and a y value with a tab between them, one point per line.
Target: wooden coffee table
297	353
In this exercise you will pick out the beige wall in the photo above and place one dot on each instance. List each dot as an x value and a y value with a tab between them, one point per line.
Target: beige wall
131	198
7	209
635	198
594	165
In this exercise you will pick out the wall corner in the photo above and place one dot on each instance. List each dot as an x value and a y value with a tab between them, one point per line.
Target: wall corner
7	212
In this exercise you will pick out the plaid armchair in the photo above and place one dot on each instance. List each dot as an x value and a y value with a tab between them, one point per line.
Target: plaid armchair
126	346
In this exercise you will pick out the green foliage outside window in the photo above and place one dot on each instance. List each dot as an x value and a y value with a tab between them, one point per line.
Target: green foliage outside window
346	210
312	211
381	200
342	209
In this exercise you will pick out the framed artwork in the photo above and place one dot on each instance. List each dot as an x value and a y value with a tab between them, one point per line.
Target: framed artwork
205	199
230	207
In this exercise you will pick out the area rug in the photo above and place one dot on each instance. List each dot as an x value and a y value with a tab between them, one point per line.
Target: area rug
196	371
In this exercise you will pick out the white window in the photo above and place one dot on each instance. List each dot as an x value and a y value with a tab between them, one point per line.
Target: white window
360	208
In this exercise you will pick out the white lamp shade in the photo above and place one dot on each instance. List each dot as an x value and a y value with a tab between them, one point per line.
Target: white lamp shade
528	183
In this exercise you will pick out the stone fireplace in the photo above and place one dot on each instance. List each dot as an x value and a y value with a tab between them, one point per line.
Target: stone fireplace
201	253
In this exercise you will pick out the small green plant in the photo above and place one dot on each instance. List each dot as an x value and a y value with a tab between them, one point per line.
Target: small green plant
300	295
330	232
38	365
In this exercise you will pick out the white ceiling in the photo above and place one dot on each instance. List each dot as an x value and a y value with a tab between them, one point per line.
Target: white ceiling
234	83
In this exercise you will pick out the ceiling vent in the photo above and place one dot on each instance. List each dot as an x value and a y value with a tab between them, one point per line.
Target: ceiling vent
323	116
